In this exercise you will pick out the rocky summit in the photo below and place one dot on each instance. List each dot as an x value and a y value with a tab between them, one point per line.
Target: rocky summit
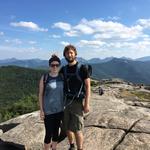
119	120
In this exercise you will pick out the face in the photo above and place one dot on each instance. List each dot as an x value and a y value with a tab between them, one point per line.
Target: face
70	56
54	66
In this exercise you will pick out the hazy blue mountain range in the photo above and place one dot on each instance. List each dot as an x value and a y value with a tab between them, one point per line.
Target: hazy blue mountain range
38	63
125	68
28	63
134	71
98	60
147	58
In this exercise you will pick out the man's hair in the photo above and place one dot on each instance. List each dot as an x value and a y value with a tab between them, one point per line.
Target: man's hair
68	47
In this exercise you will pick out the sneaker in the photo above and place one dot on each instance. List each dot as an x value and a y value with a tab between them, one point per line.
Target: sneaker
71	148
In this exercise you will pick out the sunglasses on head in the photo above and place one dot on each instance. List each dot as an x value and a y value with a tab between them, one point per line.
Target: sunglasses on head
54	65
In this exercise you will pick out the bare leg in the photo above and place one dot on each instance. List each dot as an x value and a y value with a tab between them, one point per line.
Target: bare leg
79	139
54	145
47	146
70	135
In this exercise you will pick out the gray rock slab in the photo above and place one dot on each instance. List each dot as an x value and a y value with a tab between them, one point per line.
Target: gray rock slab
142	126
27	133
110	112
97	139
135	141
101	139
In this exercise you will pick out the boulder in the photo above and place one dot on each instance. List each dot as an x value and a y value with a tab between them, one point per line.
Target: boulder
27	134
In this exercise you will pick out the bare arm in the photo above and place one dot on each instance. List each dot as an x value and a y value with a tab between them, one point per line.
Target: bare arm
87	95
41	90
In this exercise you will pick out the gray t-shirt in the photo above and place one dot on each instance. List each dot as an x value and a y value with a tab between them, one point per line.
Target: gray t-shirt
53	95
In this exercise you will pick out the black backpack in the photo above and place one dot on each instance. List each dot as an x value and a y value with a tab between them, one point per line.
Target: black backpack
81	93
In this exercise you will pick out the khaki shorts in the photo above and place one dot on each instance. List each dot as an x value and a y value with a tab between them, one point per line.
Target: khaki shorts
73	116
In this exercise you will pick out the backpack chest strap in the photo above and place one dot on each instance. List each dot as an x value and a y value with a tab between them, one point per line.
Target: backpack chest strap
77	72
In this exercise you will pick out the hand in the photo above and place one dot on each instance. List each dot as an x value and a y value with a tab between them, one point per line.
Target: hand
42	116
86	108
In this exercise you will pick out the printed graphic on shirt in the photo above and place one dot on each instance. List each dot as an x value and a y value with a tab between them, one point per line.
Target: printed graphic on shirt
52	84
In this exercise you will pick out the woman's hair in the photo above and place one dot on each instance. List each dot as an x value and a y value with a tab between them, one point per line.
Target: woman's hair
68	47
54	58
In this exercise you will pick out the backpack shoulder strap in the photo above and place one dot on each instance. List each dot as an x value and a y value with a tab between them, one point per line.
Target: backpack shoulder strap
78	71
65	71
45	79
88	68
61	75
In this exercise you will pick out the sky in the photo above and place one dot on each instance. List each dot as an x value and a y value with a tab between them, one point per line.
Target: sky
97	28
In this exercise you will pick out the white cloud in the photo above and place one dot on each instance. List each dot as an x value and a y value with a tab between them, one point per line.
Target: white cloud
83	28
22	53
18	49
102	36
131	50
64	43
114	29
138	45
32	42
71	33
142	45
92	44
110	38
18	42
99	38
30	25
62	25
145	23
1	33
56	36
32	49
99	28
14	41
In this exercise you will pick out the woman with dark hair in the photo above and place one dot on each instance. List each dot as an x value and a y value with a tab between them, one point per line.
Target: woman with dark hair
51	102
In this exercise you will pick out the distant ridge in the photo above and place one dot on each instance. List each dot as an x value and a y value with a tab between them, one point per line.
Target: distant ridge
147	58
124	68
134	71
27	63
36	62
131	70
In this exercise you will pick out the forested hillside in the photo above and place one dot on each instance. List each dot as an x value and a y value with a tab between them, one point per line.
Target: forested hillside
18	91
